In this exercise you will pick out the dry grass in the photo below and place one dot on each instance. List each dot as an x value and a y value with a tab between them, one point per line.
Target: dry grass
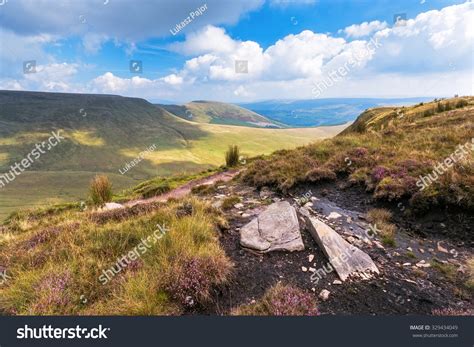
381	218
232	156
100	190
55	262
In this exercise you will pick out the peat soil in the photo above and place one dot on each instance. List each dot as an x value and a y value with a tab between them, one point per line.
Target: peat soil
405	285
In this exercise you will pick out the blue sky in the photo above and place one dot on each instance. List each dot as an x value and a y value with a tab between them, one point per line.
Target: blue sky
289	47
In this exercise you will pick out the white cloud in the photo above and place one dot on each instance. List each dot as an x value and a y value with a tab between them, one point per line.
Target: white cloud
363	29
429	55
173	79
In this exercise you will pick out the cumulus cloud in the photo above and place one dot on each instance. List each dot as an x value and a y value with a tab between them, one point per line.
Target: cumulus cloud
363	29
416	58
124	20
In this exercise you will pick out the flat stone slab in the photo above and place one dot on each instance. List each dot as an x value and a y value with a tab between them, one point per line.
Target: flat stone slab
346	259
275	229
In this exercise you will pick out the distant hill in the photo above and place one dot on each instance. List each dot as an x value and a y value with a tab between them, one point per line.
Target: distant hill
317	112
220	113
105	132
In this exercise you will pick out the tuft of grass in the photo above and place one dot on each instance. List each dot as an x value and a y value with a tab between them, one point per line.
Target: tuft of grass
280	300
469	284
381	218
232	156
448	271
229	202
100	190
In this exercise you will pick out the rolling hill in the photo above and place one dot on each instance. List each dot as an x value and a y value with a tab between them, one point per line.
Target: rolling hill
102	133
317	112
220	113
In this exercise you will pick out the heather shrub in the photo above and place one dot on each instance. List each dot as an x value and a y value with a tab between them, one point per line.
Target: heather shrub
100	190
320	174
281	300
189	281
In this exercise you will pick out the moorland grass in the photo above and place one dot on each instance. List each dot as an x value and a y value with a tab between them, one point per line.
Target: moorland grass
55	263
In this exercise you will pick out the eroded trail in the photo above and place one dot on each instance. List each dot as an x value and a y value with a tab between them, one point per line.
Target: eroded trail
186	188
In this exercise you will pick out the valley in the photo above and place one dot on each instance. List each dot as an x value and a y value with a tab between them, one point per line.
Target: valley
104	132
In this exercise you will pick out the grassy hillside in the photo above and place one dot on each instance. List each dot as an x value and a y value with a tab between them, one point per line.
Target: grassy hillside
219	113
103	133
388	150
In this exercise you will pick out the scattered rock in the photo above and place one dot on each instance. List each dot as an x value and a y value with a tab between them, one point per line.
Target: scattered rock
336	282
324	295
406	264
422	263
310	257
312	269
441	248
111	206
304	268
421	250
245	215
409	249
276	228
239	205
334	215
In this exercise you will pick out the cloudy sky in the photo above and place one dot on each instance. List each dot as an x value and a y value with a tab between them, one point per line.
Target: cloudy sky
283	49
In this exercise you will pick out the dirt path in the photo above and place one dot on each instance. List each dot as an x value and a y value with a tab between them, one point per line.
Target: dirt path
186	188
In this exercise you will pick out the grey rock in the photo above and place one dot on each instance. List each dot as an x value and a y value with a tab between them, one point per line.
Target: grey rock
276	228
345	258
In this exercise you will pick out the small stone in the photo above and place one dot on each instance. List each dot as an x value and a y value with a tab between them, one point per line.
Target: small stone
406	264
304	268
312	269
423	264
313	289
239	205
337	282
334	215
441	248
324	295
421	250
409	249
245	215
310	257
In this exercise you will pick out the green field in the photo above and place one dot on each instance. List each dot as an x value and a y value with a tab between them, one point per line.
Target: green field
113	133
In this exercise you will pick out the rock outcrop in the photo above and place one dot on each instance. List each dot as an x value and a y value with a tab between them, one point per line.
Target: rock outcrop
346	259
275	229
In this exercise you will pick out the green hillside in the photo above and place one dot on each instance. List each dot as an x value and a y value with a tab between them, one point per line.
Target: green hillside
102	133
220	113
386	151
